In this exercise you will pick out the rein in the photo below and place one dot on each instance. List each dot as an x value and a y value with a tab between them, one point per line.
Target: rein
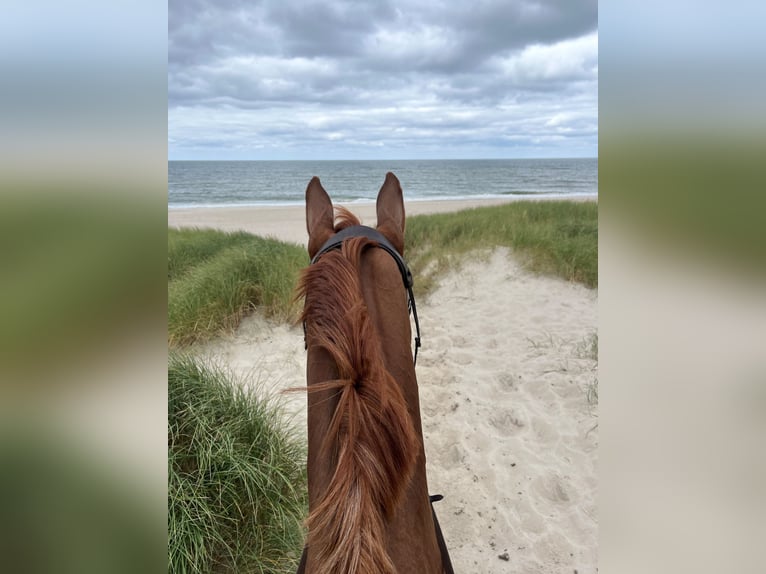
337	240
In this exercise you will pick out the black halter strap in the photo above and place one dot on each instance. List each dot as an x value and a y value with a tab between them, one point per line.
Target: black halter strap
337	240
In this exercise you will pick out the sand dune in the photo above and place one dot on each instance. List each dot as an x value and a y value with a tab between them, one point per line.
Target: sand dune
511	437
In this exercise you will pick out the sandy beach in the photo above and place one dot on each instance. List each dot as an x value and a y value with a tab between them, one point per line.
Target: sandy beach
511	436
288	223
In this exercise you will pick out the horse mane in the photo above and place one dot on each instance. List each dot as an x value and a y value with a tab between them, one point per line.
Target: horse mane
371	438
344	218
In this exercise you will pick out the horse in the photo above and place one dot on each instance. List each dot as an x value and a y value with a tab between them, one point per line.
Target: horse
369	509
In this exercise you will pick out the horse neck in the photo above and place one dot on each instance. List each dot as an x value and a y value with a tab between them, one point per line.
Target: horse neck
412	539
409	528
386	301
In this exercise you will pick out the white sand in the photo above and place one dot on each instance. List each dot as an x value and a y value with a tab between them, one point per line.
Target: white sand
511	438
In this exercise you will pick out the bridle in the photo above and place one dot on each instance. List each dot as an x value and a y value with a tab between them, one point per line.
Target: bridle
337	240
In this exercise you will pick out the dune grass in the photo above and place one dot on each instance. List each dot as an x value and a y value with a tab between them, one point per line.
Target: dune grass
188	248
215	278
553	237
236	477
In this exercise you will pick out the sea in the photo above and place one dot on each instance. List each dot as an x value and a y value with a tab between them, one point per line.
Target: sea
274	183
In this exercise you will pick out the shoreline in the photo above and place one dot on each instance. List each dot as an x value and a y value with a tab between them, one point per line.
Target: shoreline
369	201
287	222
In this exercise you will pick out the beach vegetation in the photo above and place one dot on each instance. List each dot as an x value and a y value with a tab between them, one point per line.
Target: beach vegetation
592	392
588	348
216	278
236	476
552	237
188	248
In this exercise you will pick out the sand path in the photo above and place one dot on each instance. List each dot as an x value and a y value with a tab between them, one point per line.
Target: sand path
511	437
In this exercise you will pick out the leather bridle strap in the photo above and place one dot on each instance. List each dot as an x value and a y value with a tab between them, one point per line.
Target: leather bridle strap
446	562
337	240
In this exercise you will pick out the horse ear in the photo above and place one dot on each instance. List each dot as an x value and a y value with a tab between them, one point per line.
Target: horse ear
390	210
319	216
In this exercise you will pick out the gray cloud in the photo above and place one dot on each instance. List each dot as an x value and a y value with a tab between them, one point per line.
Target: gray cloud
287	74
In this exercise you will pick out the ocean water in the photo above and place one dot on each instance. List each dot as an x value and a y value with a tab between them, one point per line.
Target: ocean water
232	183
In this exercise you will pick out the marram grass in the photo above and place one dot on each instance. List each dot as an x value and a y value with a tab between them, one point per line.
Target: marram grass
553	237
236	477
216	278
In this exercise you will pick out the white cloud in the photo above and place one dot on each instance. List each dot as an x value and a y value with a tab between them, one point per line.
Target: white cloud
575	59
411	79
418	45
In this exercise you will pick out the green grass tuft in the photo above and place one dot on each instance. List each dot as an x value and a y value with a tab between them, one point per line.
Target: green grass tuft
236	477
555	237
188	248
588	348
216	278
592	392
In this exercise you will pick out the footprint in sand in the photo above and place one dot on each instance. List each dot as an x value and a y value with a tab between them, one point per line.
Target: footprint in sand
507	423
552	488
454	456
507	381
463	358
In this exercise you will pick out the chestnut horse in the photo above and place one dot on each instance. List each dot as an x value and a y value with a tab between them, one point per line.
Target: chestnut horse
369	510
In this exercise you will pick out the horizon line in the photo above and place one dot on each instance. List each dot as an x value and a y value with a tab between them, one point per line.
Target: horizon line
399	159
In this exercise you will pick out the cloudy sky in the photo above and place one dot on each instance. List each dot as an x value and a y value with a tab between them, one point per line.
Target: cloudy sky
388	79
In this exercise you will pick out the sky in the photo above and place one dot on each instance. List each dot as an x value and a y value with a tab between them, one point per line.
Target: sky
400	79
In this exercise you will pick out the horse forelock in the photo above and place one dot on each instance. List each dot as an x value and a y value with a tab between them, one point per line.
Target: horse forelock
344	218
371	430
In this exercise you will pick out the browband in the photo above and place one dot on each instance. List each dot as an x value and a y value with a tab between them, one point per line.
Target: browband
363	231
